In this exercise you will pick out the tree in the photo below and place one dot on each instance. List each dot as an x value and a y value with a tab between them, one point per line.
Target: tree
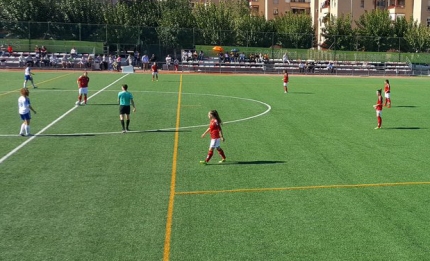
374	29
338	33
176	23
214	23
417	36
294	30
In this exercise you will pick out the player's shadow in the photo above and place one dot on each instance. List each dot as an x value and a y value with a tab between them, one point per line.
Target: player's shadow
102	104
167	131
405	128
253	162
405	106
303	93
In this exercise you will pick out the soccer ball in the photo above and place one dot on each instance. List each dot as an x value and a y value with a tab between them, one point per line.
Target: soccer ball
77	103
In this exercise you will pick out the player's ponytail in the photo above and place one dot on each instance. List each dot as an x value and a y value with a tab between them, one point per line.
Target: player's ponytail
215	114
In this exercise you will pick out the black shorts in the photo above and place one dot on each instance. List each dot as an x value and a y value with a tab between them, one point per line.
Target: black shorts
124	109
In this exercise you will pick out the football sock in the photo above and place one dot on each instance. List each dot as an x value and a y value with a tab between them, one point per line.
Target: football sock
209	156
80	98
221	153
27	129
25	84
122	124
85	99
379	121
127	123
22	131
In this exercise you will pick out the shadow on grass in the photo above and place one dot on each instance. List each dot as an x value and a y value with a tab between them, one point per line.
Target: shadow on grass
103	104
303	93
404	106
405	128
253	162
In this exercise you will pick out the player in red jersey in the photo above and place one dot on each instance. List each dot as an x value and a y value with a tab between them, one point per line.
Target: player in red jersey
387	90
378	108
154	69
216	137
285	81
82	82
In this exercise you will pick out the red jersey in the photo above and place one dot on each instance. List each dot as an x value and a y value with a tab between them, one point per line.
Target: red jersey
286	78
215	129
379	104
154	68
83	81
387	88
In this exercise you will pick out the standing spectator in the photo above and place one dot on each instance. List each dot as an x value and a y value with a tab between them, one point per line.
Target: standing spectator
73	52
201	56
154	69
136	58
153	58
145	62
285	58
125	99
216	137
29	60
10	49
378	108
37	50
242	57
330	67
184	56
82	82
387	90
168	61
286	80
24	107
130	60
118	63
176	64
28	77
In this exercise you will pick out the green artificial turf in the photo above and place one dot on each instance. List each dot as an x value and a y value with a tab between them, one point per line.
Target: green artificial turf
306	178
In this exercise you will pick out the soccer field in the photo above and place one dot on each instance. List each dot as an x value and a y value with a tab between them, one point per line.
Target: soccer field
307	176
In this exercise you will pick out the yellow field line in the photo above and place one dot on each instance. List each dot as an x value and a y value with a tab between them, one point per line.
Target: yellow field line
166	254
17	90
304	188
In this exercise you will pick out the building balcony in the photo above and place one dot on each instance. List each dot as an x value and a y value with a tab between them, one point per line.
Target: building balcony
300	5
325	5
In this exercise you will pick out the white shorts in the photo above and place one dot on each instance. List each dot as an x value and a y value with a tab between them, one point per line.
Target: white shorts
83	90
285	84
378	113
154	73
387	95
215	143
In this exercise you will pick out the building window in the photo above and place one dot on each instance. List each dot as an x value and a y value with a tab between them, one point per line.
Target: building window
298	11
276	2
362	3
428	5
275	11
428	21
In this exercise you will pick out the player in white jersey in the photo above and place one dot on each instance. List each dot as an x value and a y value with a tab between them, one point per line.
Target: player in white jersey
27	76
24	108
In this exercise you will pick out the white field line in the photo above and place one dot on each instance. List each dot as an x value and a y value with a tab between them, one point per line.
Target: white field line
52	123
165	129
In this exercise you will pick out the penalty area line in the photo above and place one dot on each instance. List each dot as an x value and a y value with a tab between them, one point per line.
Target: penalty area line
12	152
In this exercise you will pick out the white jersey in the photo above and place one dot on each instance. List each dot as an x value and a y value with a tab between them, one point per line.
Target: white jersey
27	71
23	105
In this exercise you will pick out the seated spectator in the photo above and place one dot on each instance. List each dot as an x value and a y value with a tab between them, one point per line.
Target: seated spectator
301	67
83	63
73	52
189	55
64	62
265	58
330	67
195	56
37	49
43	51
29	60
201	55
53	61
21	60
71	62
10	49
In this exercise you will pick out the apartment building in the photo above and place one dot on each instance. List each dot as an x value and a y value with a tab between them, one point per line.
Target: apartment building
323	9
273	8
